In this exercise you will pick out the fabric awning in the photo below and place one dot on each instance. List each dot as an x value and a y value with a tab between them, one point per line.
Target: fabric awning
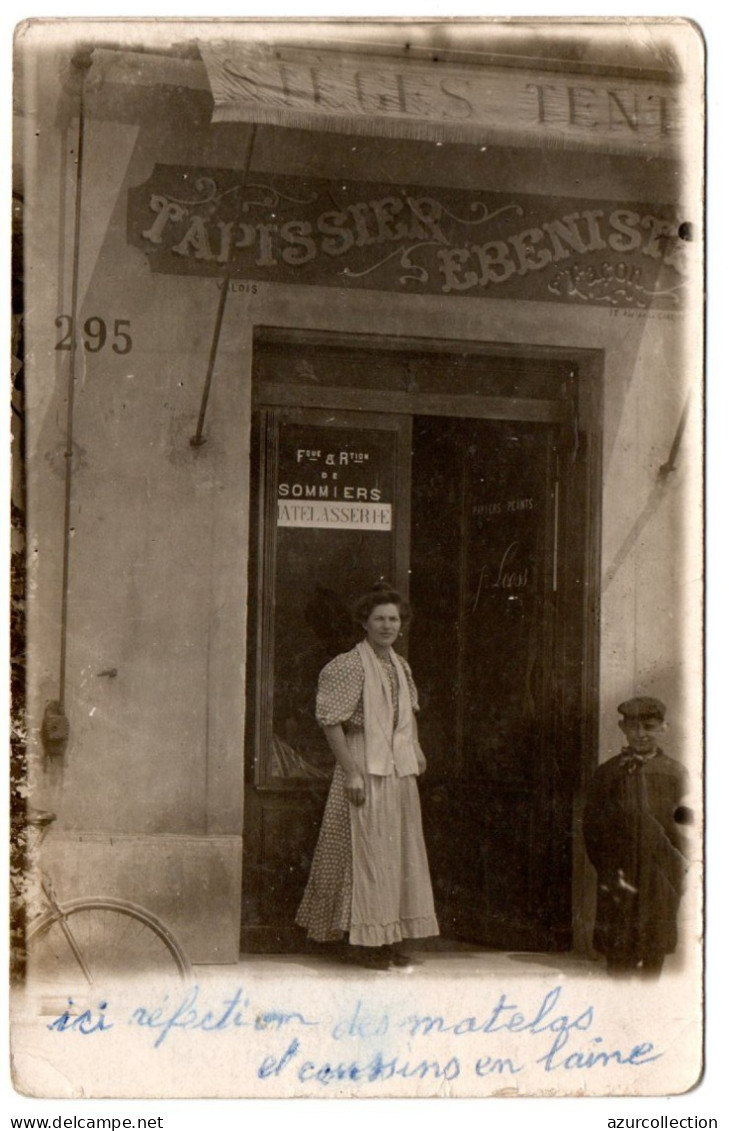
442	101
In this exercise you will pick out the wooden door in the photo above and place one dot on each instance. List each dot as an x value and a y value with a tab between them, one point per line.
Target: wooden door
333	498
487	648
468	488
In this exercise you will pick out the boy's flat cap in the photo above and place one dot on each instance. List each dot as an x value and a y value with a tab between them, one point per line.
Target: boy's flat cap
643	707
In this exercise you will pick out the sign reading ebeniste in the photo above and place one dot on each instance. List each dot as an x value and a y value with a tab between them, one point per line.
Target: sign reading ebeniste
410	239
334	478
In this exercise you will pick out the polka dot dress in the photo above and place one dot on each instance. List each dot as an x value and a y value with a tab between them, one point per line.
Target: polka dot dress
339	696
326	909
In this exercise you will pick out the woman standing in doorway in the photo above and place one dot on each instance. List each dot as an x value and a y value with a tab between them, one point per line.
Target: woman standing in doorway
369	880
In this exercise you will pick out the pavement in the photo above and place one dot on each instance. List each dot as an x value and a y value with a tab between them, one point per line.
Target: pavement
447	962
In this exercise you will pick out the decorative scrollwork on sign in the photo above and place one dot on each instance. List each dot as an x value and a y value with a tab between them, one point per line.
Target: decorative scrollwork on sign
420	274
347	271
613	285
485	214
211	195
274	196
205	185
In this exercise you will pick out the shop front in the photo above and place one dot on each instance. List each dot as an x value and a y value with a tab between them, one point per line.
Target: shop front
443	467
377	326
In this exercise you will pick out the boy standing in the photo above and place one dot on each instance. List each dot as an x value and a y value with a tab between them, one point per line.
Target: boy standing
634	842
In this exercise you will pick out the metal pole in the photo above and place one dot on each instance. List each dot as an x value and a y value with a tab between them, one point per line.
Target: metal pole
198	439
670	464
81	62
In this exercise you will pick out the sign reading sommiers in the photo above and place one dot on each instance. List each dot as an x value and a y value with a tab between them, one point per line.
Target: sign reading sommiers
410	238
331	478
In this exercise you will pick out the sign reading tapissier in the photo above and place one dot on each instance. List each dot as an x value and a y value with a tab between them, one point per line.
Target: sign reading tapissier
410	238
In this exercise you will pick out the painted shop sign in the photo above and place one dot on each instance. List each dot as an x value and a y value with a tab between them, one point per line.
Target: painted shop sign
410	238
330	516
418	98
509	560
332	479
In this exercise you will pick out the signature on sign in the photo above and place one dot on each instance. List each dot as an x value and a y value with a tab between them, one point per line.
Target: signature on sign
510	575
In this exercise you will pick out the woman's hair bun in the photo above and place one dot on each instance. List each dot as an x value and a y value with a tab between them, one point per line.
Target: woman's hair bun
380	593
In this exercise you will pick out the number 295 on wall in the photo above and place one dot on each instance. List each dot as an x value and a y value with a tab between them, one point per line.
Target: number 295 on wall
96	334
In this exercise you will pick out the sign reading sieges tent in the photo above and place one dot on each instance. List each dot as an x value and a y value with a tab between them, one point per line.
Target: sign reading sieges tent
410	238
410	97
334	479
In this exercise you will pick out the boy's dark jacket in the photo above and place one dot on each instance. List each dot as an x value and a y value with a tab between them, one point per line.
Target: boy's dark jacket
637	847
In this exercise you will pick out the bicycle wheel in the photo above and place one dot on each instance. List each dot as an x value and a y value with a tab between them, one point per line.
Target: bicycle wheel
98	940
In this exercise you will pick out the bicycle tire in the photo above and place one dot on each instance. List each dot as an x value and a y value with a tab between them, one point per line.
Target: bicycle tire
117	939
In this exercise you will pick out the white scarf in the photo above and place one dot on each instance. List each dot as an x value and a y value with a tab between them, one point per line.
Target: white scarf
386	751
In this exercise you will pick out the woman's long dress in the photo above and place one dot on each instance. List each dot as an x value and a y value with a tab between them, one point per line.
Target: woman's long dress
369	876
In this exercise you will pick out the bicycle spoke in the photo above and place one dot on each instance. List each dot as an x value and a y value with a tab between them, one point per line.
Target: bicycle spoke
112	938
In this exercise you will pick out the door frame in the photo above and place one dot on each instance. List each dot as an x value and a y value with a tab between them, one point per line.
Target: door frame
579	701
271	417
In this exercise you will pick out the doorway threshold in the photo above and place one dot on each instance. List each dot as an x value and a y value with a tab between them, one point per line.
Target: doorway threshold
446	961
